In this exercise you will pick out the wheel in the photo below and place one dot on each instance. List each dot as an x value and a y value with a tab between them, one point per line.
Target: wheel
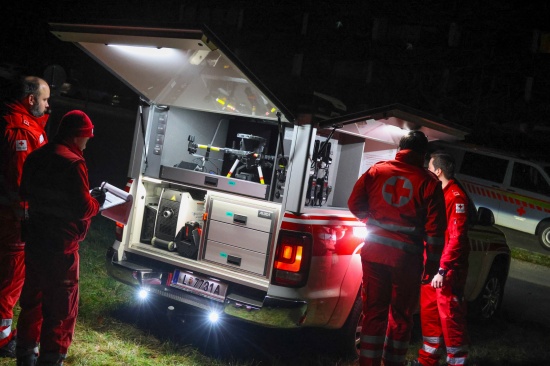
349	336
544	235
489	300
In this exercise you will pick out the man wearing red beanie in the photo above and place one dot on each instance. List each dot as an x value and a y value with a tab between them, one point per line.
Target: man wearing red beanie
21	132
60	208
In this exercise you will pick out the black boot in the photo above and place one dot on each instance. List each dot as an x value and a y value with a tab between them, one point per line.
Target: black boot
9	349
26	356
51	359
27	360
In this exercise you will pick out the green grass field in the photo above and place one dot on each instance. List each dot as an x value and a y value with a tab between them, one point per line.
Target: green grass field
108	331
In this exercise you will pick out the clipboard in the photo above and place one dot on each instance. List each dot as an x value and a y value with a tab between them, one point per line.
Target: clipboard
117	205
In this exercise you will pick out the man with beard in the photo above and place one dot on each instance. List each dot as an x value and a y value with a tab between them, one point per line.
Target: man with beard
21	132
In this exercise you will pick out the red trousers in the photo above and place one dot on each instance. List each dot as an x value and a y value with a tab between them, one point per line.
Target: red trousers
390	298
443	318
12	272
49	303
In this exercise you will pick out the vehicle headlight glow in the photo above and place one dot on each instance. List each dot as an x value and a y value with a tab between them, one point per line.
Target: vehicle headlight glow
143	294
213	316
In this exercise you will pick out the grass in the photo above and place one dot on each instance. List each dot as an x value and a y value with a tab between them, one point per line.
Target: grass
532	257
109	330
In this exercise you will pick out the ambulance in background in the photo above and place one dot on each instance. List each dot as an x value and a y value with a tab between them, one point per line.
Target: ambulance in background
240	204
515	189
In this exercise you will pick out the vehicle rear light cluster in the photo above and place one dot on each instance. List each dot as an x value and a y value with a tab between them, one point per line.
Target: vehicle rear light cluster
119	229
292	259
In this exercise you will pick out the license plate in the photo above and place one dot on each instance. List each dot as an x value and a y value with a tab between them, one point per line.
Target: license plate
207	287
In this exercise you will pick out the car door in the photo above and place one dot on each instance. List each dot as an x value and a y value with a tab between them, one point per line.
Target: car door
483	177
528	198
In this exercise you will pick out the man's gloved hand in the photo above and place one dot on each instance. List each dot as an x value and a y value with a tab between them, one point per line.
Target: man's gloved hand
99	195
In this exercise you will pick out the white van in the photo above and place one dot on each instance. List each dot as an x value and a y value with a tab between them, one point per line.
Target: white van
215	150
515	189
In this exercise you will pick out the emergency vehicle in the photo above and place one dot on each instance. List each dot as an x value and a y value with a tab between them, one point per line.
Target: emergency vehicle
275	244
515	189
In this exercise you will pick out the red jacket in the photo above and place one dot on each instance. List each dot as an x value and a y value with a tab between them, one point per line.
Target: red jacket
20	134
403	205
55	184
457	246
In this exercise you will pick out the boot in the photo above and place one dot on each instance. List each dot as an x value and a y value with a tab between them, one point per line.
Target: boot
8	350
27	360
51	359
26	356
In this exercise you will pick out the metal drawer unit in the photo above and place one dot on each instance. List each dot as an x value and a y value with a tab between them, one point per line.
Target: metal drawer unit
239	233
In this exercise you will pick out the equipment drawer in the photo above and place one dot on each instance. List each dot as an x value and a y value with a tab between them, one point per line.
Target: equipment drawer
234	257
250	216
239	236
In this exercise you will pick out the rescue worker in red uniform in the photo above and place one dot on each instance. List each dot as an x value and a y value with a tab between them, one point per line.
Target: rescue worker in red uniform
60	208
21	132
403	207
442	304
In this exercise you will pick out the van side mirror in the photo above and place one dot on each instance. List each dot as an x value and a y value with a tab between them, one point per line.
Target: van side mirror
485	217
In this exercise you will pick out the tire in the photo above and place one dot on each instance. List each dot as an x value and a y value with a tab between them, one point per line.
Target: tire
489	301
544	235
349	335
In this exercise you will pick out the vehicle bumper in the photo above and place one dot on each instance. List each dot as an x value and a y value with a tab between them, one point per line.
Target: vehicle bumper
269	311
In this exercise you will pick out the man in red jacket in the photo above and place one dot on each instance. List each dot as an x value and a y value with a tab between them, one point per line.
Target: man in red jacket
55	185
442	304
21	132
403	206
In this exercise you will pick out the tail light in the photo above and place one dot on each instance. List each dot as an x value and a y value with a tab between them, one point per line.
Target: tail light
292	259
119	229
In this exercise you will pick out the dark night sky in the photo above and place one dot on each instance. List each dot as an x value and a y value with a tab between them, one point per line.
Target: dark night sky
488	71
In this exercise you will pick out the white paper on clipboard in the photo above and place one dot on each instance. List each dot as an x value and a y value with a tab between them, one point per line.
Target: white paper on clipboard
117	205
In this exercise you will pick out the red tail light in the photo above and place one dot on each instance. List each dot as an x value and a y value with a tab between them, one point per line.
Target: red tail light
119	229
292	259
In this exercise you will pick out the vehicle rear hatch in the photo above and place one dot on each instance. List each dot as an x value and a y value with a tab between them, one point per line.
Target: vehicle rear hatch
187	68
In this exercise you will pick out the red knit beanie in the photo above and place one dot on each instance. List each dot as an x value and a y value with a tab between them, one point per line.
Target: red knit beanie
75	124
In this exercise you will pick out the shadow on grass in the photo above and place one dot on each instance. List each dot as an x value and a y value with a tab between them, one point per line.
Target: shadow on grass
232	341
501	341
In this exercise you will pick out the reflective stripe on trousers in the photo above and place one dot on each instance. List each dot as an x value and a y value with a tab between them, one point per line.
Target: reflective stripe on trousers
390	297
5	329
443	319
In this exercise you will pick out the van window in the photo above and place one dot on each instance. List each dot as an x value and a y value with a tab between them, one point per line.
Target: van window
529	178
484	166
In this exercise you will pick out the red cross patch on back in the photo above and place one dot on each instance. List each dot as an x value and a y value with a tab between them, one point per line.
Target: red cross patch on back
397	191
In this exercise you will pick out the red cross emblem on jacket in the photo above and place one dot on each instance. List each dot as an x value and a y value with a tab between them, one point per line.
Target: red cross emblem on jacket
397	191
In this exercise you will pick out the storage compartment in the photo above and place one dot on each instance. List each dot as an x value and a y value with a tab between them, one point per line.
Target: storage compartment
188	239
174	210
238	236
148	225
249	216
240	232
235	257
